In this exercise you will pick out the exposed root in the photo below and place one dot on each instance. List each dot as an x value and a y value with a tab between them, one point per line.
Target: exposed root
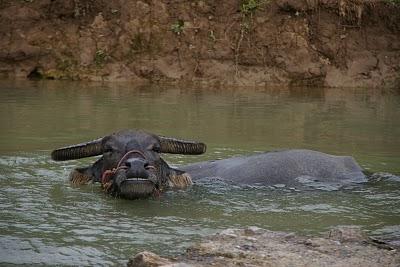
237	50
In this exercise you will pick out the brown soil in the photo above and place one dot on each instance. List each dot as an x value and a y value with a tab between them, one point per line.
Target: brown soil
277	42
341	247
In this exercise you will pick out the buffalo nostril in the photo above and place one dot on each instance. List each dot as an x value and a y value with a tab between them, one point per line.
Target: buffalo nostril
136	168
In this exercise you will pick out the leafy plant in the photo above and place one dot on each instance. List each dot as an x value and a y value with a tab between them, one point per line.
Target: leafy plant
249	6
100	57
177	27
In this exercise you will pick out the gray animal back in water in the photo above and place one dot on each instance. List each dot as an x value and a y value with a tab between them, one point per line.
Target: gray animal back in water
289	167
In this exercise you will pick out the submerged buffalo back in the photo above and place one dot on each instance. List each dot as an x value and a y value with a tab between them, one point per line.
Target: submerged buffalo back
282	167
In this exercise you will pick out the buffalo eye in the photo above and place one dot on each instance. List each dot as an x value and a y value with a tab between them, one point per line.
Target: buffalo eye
156	148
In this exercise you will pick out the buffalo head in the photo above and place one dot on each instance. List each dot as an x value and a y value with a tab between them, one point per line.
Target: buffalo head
130	165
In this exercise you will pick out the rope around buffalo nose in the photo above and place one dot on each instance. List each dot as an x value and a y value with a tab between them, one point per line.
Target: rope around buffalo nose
107	174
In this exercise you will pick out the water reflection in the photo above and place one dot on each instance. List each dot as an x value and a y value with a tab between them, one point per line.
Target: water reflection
43	220
361	122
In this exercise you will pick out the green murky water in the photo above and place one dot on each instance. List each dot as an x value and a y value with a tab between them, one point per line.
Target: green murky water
45	221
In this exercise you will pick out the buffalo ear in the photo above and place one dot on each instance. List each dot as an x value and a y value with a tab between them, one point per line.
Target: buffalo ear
86	175
81	176
179	179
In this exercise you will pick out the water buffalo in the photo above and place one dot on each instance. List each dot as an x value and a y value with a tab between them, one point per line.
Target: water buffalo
131	166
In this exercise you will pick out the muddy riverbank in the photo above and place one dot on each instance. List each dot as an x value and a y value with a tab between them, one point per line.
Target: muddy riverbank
249	42
341	246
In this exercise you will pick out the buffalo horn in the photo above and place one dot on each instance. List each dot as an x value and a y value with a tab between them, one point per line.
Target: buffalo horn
175	146
83	150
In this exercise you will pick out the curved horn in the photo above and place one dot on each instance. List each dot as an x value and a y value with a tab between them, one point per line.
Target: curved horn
175	146
78	151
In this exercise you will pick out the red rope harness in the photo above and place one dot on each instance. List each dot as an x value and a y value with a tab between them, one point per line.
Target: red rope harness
107	174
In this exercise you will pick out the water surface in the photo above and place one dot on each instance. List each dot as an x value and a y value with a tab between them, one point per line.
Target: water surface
45	221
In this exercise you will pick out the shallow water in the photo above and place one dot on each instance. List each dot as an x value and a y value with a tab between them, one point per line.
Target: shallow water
45	221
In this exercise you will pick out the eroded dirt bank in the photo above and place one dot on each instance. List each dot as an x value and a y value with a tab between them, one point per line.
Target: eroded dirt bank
242	42
342	246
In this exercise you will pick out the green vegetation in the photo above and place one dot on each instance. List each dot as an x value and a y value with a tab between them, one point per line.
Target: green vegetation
178	26
249	6
100	57
65	64
211	35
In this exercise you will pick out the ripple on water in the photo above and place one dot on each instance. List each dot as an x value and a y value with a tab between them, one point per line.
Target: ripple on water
43	220
35	251
323	208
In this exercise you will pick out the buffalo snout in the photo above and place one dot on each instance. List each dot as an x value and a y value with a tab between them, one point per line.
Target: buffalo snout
137	168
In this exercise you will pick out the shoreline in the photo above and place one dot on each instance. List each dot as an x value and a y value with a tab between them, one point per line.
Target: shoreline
253	246
344	43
